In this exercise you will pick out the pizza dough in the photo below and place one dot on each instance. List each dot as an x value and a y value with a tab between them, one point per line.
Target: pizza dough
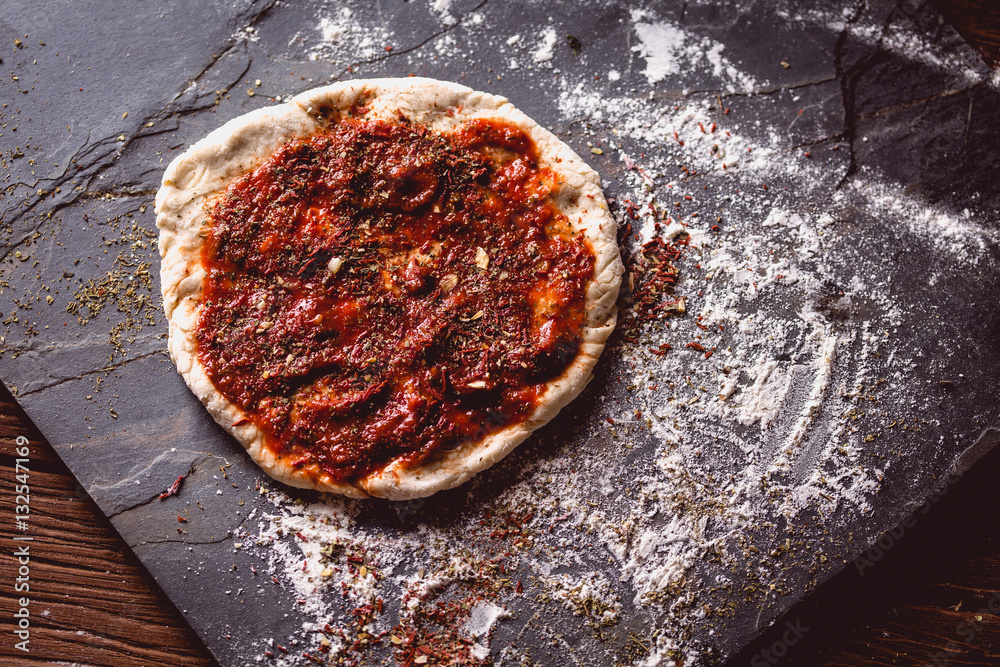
195	180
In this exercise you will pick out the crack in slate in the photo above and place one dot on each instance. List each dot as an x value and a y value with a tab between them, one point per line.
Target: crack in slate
817	142
93	158
98	164
169	109
852	120
409	49
240	23
90	160
923	100
189	109
726	94
251	19
106	369
58	206
849	79
847	92
229	535
205	456
180	541
88	195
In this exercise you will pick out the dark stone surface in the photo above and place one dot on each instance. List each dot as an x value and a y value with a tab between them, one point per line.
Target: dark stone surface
79	176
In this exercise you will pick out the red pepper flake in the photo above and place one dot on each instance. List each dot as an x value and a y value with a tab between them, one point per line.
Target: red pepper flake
181	519
765	186
268	654
695	346
688	197
709	353
701	127
630	207
652	276
174	488
727	113
275	580
610	420
519	588
713	128
282	648
301	537
388	49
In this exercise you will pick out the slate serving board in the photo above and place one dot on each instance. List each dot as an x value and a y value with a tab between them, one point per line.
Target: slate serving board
898	118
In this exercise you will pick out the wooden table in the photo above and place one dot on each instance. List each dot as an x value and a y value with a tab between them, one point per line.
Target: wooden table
931	597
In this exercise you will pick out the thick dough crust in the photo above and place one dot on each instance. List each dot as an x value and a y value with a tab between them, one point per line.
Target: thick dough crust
242	144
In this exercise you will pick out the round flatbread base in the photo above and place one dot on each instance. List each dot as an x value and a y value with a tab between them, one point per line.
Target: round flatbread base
241	145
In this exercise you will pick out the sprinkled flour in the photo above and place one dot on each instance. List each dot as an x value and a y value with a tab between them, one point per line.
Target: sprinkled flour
546	45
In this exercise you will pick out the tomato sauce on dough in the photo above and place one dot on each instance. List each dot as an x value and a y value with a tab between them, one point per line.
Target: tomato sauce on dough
381	292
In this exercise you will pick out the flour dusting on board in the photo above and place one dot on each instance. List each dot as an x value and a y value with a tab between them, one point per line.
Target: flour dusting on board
667	48
659	44
546	46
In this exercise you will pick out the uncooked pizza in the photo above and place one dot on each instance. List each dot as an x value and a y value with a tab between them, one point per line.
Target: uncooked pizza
381	287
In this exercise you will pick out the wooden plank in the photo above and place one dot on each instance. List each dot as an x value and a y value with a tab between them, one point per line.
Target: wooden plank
979	22
91	600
